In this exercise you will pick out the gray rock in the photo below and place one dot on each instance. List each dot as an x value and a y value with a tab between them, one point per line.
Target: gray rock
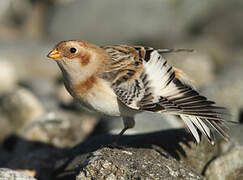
8	76
8	174
228	163
132	163
60	128
227	166
45	89
6	127
21	107
171	144
198	156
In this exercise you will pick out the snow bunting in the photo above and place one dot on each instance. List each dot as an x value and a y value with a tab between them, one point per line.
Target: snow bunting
124	80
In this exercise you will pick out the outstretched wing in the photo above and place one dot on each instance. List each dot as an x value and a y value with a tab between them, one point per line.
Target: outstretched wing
142	79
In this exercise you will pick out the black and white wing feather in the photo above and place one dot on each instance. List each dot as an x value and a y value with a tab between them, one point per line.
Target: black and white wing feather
142	79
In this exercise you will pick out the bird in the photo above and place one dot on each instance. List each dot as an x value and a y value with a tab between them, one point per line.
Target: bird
125	80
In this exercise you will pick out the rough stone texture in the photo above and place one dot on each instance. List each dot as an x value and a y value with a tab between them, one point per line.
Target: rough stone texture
21	107
8	174
227	166
8	78
132	163
198	156
60	128
172	144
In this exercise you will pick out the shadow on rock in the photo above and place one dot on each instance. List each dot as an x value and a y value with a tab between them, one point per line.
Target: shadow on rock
176	144
169	140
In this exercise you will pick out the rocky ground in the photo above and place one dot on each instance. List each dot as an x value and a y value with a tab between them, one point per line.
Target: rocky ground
44	135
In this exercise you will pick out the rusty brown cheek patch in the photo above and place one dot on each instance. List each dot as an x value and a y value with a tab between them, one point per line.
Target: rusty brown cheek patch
84	59
85	86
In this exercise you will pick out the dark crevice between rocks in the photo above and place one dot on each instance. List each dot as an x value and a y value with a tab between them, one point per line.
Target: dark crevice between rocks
241	116
207	164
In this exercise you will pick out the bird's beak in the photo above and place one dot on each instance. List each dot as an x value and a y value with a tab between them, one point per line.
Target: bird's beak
54	54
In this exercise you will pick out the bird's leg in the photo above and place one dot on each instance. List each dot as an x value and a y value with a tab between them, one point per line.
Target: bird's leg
128	123
119	135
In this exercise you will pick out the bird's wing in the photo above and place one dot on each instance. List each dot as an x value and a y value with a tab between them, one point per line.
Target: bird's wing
142	79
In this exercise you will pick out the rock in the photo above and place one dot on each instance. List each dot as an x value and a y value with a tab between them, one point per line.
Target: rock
60	128
198	156
21	107
227	166
173	144
9	174
8	77
131	163
45	89
6	127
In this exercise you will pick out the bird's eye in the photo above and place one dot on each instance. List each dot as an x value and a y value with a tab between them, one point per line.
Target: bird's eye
73	50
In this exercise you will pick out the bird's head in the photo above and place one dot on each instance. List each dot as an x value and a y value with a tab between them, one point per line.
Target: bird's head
79	59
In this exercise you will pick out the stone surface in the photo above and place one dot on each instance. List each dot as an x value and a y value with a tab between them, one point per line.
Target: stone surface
60	128
132	163
6	128
171	144
227	166
45	90
8	174
8	76
21	107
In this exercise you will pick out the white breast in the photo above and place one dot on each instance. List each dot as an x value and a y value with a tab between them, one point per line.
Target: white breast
101	98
